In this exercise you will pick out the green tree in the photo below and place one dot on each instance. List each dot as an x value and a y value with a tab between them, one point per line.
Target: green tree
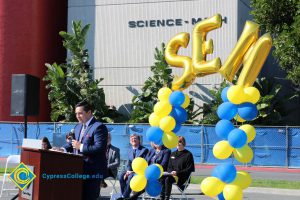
282	19
72	82
271	106
144	102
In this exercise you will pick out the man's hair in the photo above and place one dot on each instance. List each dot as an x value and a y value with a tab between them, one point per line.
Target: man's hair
137	136
86	106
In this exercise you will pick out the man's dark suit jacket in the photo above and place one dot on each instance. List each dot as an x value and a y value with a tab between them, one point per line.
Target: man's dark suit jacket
94	147
113	159
141	151
161	158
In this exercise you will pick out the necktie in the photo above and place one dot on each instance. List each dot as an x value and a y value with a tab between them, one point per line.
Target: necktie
134	153
82	132
80	137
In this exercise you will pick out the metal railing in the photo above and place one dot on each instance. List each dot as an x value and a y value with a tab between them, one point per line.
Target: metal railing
273	146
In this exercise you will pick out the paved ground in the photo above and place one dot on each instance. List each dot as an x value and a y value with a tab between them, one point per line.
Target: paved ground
251	193
269	173
193	190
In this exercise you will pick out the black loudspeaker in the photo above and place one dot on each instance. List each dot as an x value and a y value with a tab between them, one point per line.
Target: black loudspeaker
25	95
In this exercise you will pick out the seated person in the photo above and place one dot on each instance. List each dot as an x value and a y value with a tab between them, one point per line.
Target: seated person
46	144
180	166
113	160
136	150
159	154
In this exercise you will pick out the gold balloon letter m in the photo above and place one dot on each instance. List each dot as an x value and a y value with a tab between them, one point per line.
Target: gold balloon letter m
248	51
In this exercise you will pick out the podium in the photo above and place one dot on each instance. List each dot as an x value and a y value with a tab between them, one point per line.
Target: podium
47	162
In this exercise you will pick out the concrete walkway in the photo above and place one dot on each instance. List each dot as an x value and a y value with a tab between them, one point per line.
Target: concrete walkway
251	193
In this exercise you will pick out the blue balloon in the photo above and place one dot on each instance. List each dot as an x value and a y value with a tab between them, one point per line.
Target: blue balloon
221	196
237	138
247	111
223	128
226	172
152	172
179	114
177	128
227	110
153	188
176	98
224	94
154	134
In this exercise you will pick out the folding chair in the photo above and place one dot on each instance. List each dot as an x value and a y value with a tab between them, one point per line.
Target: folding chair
12	159
113	181
183	188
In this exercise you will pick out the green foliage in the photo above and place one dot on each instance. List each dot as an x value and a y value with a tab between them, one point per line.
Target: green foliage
282	19
144	102
271	105
72	82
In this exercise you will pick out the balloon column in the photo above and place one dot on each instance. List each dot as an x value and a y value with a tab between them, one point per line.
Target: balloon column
146	177
238	103
169	113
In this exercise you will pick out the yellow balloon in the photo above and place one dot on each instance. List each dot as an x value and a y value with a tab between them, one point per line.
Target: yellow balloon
167	124
242	179
250	131
138	183
170	140
162	108
154	119
239	119
244	154
164	93
186	102
232	192
252	94
212	186
235	94
161	169
222	149
139	165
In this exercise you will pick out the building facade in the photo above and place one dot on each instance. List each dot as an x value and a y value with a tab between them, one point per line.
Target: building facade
124	34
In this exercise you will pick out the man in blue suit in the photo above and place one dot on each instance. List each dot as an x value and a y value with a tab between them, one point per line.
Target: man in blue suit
136	150
90	141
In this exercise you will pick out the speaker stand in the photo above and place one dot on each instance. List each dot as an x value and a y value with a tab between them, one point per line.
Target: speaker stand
25	125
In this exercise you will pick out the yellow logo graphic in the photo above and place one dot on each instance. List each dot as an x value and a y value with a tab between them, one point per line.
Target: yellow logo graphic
22	176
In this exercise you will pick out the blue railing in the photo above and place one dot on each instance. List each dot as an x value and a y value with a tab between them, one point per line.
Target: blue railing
273	146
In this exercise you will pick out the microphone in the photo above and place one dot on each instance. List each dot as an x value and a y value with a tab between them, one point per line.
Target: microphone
71	135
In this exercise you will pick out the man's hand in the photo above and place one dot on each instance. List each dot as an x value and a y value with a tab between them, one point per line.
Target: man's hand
127	174
76	144
57	149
